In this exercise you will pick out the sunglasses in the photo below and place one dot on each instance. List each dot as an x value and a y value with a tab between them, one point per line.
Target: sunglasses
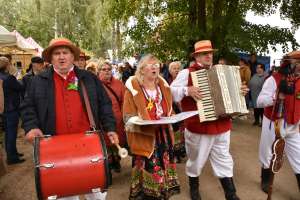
106	69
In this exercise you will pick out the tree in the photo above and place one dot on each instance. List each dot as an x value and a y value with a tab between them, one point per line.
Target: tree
169	28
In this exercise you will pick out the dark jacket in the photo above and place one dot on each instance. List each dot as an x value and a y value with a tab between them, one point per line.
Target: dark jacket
26	81
12	92
38	107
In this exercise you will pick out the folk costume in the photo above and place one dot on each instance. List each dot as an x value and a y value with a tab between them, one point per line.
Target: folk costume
54	104
154	173
289	85
207	140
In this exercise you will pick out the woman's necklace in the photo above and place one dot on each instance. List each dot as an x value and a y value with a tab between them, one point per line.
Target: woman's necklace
150	100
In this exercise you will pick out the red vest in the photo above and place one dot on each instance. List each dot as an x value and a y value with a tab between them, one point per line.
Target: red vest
70	114
291	104
193	124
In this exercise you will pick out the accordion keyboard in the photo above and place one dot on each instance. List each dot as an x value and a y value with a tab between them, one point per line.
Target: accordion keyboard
205	105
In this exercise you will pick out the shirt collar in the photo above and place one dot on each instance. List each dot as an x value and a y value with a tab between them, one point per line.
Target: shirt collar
63	76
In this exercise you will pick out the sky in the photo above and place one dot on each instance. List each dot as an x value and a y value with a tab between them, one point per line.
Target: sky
273	20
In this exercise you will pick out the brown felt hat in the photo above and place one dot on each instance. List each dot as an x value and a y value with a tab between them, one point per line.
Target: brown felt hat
60	42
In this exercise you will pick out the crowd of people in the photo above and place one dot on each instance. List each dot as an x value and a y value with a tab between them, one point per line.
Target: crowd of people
49	100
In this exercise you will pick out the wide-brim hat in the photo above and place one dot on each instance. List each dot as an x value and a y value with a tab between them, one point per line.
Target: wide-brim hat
83	55
203	46
294	55
60	42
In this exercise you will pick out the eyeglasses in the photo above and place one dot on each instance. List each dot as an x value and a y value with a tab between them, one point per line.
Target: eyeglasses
157	65
106	69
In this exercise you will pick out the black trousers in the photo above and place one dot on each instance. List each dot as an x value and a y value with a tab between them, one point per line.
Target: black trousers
258	114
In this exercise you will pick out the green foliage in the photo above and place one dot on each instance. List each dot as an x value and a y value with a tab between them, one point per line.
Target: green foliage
167	28
179	23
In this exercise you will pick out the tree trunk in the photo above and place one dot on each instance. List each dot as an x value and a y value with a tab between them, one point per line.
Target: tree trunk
118	40
217	22
201	17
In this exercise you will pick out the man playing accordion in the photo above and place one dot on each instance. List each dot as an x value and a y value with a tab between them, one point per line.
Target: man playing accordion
206	140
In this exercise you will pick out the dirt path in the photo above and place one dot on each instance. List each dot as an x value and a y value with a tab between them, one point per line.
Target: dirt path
18	184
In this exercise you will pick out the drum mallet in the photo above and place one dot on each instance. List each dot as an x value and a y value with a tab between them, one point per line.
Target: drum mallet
123	153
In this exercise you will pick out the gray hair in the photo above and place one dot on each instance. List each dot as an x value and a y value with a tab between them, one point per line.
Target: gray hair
173	64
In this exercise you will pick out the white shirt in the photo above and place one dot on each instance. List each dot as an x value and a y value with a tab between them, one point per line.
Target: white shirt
267	95
267	98
179	85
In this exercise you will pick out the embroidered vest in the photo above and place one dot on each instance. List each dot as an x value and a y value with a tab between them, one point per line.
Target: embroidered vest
291	104
193	124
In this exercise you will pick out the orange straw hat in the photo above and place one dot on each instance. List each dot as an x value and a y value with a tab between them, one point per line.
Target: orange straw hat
294	55
203	46
60	42
83	55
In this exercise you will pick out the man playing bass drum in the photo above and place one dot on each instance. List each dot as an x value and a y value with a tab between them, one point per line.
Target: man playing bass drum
285	82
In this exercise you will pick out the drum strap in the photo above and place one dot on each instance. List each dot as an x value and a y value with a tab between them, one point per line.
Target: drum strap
88	107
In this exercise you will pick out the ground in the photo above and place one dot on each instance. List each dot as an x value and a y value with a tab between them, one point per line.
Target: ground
18	183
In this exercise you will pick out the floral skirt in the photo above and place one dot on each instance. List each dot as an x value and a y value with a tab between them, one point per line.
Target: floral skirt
179	146
156	177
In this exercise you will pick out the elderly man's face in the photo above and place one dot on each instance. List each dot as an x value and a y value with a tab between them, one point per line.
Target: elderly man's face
205	58
62	59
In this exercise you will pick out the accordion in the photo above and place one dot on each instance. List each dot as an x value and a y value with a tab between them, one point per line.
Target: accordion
221	92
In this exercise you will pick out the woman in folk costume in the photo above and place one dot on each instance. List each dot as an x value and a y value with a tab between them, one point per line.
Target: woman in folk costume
148	97
285	83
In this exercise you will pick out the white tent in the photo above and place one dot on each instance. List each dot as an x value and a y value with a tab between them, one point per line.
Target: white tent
39	49
6	38
14	43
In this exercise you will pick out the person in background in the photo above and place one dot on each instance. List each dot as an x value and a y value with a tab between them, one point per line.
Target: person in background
81	62
148	97
253	63
255	86
178	128
245	77
119	71
115	90
222	61
244	71
36	66
174	69
92	67
127	72
12	92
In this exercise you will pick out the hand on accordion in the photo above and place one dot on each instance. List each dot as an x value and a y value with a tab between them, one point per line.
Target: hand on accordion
194	92
244	90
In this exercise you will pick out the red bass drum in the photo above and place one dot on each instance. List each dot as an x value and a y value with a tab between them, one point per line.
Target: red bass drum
71	164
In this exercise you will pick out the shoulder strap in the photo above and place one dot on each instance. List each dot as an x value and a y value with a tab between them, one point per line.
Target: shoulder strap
115	95
88	107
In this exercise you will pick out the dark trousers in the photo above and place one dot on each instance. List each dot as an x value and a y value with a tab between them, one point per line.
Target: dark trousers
258	114
10	122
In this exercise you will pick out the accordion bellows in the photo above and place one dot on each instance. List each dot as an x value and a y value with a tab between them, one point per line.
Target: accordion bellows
221	92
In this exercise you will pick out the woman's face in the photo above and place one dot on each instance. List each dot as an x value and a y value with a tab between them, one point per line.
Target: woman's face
259	69
151	70
174	71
